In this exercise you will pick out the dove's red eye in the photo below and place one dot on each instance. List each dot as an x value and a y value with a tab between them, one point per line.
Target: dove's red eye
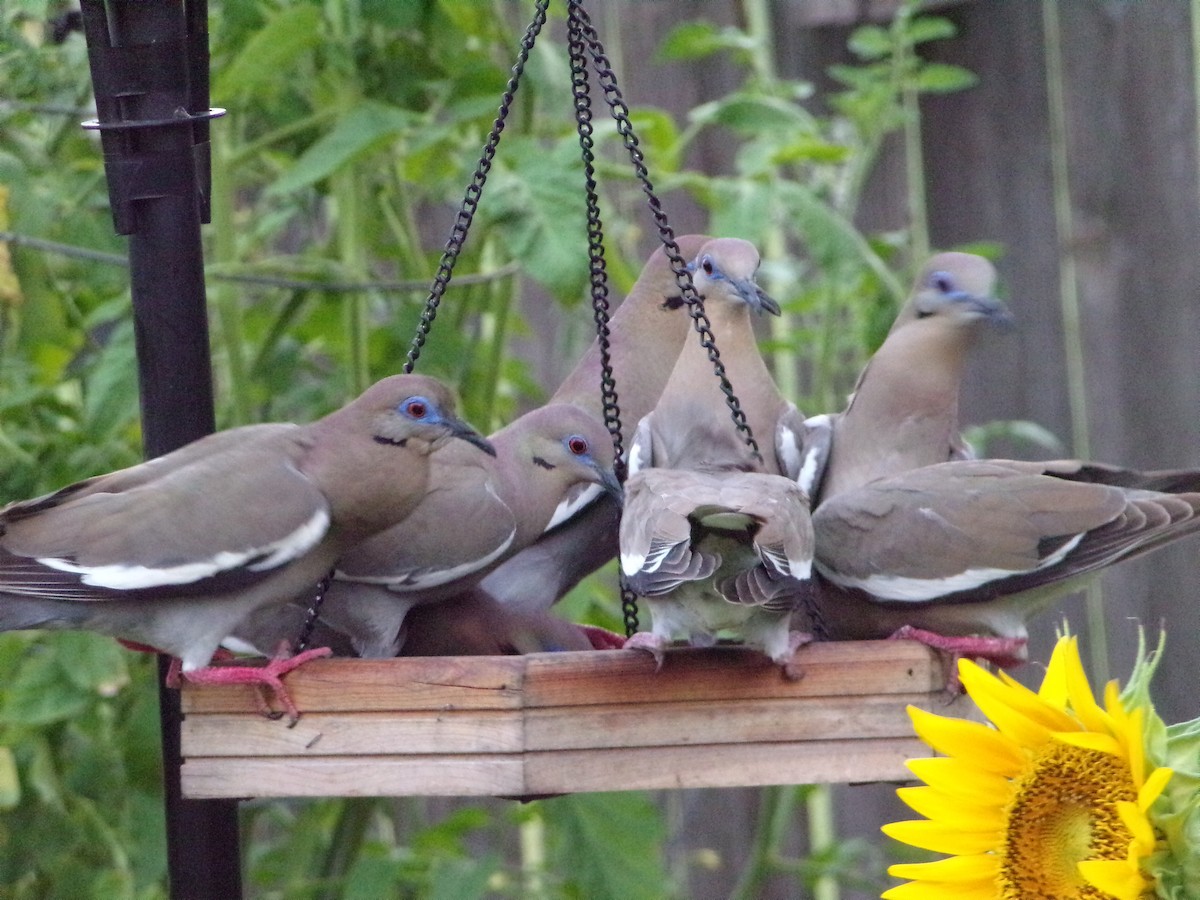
577	445
417	409
707	265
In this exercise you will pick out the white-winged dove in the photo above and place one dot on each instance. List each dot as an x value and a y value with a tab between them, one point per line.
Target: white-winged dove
173	553
723	272
476	512
904	410
950	551
477	625
714	542
647	331
717	551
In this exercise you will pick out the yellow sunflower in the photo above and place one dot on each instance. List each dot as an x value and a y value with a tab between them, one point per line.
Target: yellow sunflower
1051	802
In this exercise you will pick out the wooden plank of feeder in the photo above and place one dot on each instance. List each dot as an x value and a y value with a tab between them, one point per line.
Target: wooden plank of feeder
834	669
435	682
722	765
486	775
554	723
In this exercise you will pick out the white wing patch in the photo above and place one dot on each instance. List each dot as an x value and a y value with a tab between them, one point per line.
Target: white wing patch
918	590
429	577
120	577
570	506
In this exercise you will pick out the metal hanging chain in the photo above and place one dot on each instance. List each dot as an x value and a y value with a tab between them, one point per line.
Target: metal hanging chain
312	614
597	267
599	274
462	223
458	236
683	278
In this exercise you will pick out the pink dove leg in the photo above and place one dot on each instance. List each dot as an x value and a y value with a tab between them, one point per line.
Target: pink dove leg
268	677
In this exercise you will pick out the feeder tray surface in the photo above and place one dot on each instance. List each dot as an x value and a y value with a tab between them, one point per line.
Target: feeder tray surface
552	723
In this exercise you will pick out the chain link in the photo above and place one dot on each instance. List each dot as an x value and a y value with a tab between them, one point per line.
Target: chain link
597	267
458	235
683	277
312	614
470	205
629	610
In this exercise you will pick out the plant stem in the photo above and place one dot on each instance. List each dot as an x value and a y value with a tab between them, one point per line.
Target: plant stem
777	809
822	835
533	855
353	821
1068	289
784	364
501	297
226	297
352	252
914	156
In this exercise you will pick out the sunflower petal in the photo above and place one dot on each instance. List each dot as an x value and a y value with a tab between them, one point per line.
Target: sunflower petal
1091	740
1115	877
1137	823
1054	683
1132	729
949	809
961	779
1004	707
1154	785
1080	697
983	745
976	867
924	890
942	838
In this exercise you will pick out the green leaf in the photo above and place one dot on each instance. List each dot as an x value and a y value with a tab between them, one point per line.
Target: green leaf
92	662
460	879
751	113
373	875
832	238
353	134
870	42
273	50
692	40
1023	433
42	693
409	14
539	200
10	782
930	28
942	78
610	845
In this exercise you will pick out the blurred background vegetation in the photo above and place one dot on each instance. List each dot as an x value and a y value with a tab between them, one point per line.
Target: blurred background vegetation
353	128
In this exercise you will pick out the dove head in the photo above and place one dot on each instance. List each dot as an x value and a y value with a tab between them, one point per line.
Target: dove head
414	411
956	288
724	269
567	445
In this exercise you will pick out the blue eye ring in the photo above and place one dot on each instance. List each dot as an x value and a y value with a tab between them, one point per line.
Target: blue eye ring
416	408
943	282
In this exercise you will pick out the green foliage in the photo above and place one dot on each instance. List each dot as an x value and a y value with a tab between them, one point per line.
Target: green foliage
353	128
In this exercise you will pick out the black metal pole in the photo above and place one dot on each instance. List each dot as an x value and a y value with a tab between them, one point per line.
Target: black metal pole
149	64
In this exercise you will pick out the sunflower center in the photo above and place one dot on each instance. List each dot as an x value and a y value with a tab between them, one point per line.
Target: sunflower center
1063	811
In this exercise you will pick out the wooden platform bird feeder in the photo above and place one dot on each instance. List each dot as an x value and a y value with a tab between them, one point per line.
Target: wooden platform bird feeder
556	723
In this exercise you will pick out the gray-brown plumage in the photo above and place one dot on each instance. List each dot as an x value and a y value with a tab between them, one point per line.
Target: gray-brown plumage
970	548
714	552
477	511
647	331
723	272
175	552
712	538
904	410
477	625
